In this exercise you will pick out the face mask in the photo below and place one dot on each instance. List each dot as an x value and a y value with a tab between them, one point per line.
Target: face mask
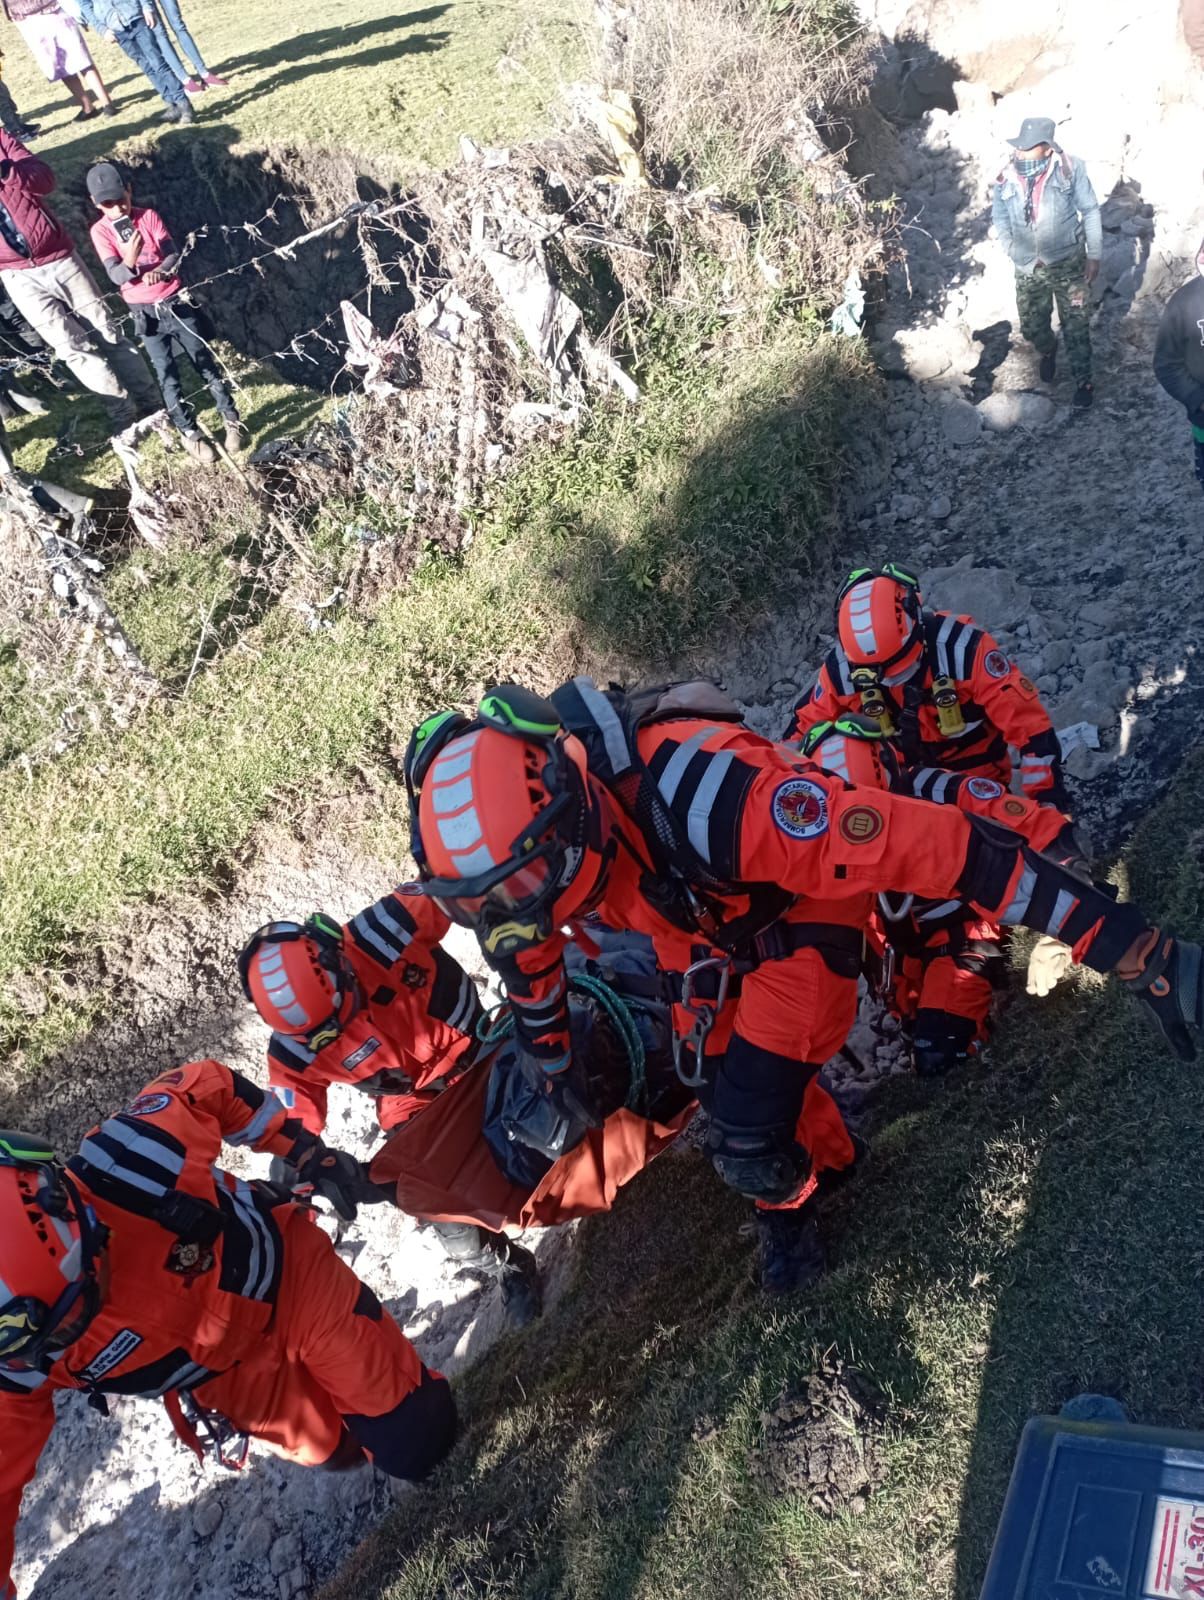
1031	167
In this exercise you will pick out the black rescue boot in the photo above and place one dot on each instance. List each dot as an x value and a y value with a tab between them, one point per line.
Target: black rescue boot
792	1254
494	1257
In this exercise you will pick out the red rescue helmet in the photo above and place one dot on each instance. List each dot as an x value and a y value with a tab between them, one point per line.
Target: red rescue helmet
507	826
298	978
50	1244
854	748
880	622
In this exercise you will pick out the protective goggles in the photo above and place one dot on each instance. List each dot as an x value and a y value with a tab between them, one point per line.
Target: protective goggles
30	1329
327	936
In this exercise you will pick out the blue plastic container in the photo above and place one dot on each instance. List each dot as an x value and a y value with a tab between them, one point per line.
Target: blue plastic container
1101	1508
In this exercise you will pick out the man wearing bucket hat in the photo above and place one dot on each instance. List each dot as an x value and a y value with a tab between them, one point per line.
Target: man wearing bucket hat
1047	217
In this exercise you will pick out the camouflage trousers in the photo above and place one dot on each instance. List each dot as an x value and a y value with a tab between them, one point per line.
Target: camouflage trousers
1036	294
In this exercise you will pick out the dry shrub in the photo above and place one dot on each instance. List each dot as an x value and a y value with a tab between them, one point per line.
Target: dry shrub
732	91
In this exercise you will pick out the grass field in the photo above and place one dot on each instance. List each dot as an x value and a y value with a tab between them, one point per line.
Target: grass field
1020	1235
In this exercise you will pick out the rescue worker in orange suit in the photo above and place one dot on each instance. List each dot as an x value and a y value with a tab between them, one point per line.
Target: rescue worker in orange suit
382	1006
940	961
951	703
939	687
664	814
141	1268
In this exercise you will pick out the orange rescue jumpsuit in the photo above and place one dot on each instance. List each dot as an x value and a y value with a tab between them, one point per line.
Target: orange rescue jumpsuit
759	814
947	955
218	1290
416	1026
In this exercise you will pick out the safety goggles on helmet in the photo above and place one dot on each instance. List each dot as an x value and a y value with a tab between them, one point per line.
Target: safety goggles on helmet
512	901
61	1240
341	999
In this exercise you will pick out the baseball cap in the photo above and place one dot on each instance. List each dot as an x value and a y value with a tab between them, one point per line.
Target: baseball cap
1034	131
106	182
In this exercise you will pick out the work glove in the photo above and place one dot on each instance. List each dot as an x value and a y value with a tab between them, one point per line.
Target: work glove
1171	983
1048	963
339	1178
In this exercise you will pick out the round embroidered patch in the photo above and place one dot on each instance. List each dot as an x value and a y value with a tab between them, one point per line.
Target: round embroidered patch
147	1104
1015	808
860	824
997	664
984	788
800	808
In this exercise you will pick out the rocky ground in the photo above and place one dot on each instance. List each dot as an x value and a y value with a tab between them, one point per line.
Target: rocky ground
1074	537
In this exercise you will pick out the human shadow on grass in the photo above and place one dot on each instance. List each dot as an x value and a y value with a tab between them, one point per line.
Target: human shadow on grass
328	47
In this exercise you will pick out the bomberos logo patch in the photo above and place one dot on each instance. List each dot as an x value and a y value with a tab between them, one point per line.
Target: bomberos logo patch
800	808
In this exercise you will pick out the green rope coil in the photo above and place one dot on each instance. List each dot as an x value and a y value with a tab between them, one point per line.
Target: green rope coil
497	1025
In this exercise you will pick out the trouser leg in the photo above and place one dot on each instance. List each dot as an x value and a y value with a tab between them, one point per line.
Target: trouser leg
166	47
78	288
1034	305
336	1360
191	339
138	42
10	117
171	10
37	295
160	353
1069	288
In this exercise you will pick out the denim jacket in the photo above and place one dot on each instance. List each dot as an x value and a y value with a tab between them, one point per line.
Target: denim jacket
1067	217
110	16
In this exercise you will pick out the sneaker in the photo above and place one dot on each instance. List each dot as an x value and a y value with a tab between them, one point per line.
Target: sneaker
26	130
185	113
212	81
235	440
198	448
110	110
85	116
792	1254
170	114
1084	396
191	86
1049	365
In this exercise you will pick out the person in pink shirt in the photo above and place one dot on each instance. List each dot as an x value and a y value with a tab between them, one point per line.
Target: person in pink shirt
138	253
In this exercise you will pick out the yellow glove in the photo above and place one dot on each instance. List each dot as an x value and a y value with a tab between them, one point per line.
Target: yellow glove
1049	961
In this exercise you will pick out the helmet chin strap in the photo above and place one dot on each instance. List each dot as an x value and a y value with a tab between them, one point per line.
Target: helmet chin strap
892	680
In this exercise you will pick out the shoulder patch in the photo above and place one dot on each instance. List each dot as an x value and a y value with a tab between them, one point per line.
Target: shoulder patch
800	808
861	824
996	664
146	1105
984	788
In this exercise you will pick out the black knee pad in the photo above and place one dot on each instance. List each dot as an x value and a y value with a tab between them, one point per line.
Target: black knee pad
754	1112
411	1440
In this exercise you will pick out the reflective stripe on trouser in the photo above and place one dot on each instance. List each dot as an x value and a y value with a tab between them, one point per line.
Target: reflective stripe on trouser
322	1359
1036	294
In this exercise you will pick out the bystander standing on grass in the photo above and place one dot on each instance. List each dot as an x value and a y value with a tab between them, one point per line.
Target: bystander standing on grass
131	24
57	45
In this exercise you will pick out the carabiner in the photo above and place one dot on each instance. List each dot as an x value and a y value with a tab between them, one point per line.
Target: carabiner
703	1013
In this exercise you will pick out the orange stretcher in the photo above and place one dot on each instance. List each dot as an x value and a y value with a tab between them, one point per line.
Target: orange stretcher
443	1170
